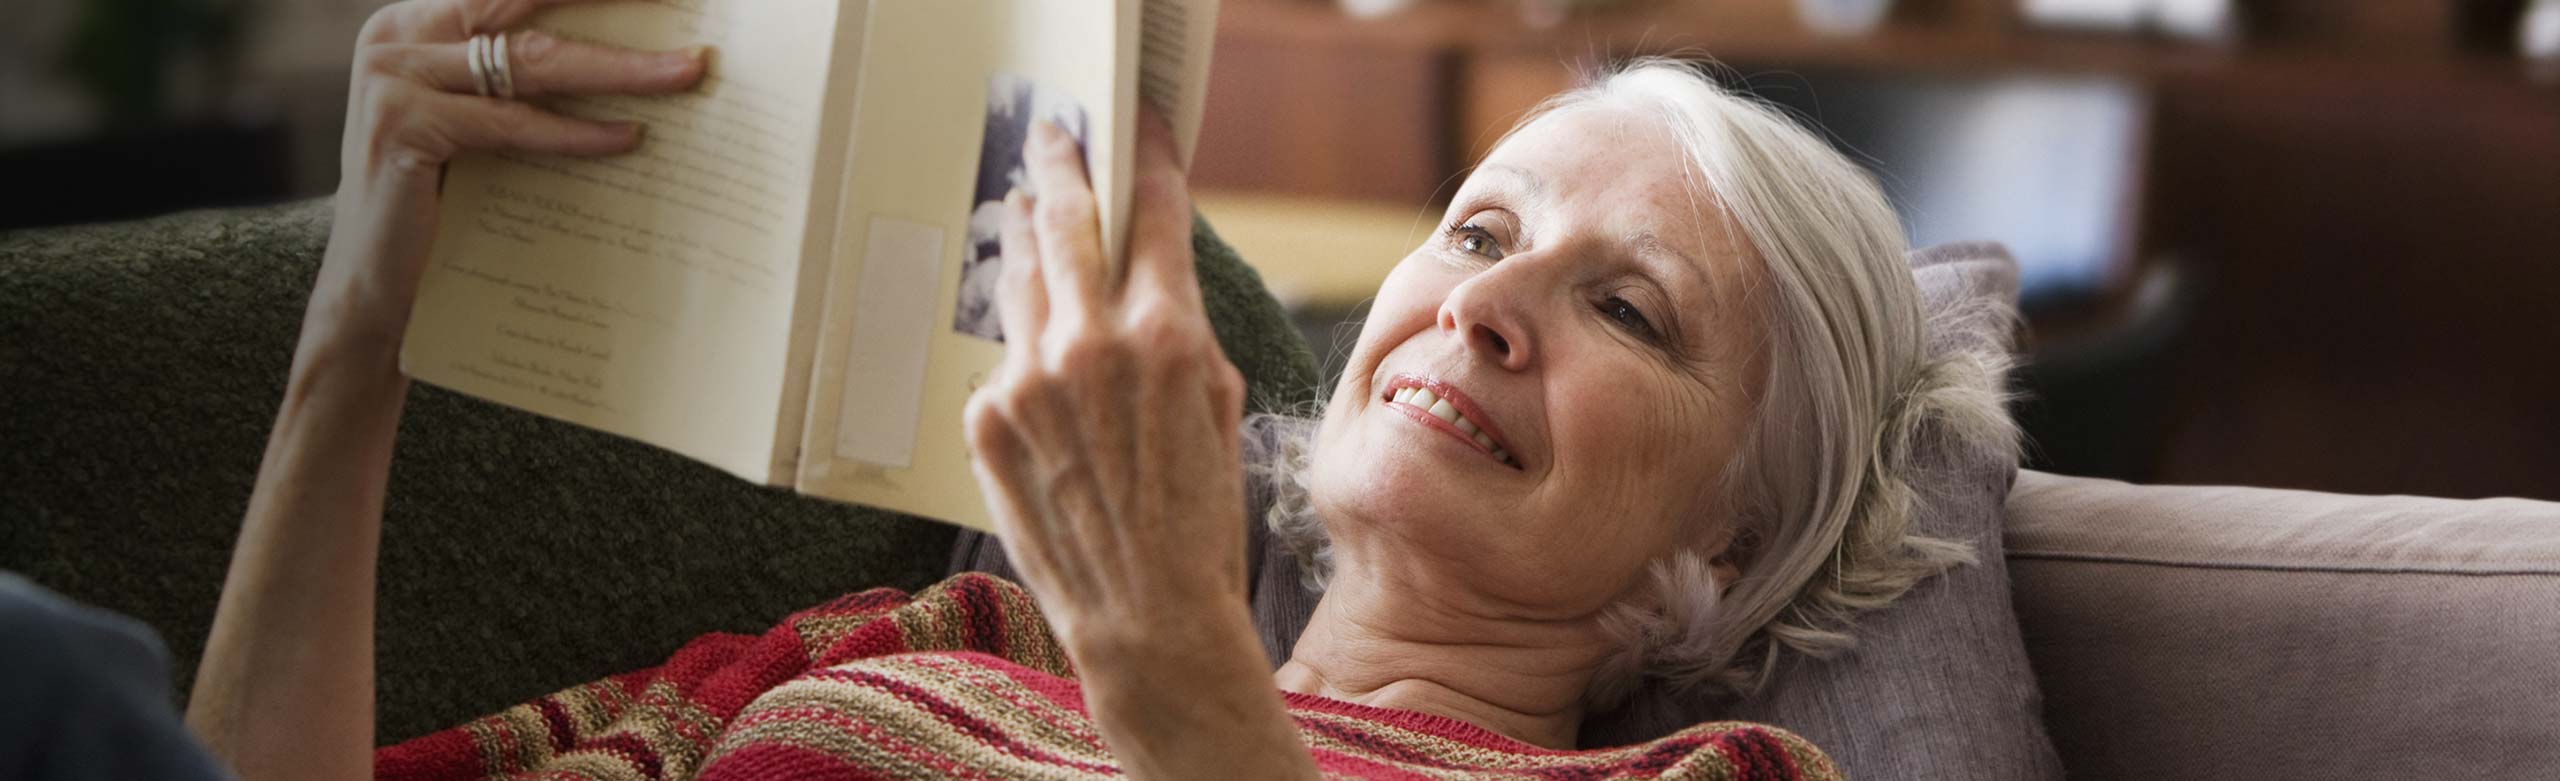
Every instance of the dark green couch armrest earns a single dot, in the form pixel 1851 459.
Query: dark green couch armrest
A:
pixel 144 362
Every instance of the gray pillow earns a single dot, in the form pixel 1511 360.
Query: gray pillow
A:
pixel 1938 686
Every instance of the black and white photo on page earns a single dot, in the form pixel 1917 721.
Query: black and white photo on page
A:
pixel 1013 103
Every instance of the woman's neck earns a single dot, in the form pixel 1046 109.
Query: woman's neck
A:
pixel 1411 647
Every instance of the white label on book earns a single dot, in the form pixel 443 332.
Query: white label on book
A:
pixel 892 335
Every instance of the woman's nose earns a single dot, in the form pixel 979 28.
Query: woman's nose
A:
pixel 1489 316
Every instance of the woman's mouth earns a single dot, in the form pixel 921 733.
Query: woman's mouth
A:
pixel 1442 407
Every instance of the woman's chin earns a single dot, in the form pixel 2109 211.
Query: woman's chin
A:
pixel 1413 475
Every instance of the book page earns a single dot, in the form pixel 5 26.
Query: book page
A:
pixel 817 246
pixel 949 91
pixel 649 295
pixel 1174 39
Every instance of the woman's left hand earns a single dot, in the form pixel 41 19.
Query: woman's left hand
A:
pixel 1106 444
pixel 1107 447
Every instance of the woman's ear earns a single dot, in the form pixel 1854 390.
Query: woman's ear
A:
pixel 1725 557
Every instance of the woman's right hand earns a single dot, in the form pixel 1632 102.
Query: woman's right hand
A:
pixel 414 104
pixel 285 686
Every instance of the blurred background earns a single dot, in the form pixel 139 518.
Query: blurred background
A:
pixel 2293 243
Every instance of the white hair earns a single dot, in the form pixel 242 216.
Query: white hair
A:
pixel 1820 495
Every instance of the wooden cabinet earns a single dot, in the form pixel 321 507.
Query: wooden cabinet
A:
pixel 1308 101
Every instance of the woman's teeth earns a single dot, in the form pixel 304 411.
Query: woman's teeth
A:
pixel 1439 407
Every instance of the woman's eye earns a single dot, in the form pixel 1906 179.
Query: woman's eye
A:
pixel 1479 242
pixel 1626 314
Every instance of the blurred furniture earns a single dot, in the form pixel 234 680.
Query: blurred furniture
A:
pixel 118 109
pixel 2221 632
pixel 143 172
pixel 2176 632
pixel 1322 258
pixel 2049 165
pixel 2053 167
pixel 1421 93
pixel 1314 252
pixel 2356 192
pixel 2096 386
pixel 122 109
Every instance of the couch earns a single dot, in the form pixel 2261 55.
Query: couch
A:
pixel 2174 631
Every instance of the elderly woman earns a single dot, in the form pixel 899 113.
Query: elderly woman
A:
pixel 1637 414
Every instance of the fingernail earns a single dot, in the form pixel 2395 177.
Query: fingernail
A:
pixel 690 58
pixel 1058 135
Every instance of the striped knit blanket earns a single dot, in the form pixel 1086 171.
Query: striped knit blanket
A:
pixel 964 680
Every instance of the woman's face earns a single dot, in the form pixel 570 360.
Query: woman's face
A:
pixel 1583 325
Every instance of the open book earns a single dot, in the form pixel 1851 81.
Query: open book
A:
pixel 793 279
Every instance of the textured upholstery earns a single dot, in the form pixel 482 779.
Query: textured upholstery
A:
pixel 144 363
pixel 1938 686
pixel 2214 632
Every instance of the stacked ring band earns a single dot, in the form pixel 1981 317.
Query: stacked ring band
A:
pixel 501 69
pixel 492 73
pixel 477 52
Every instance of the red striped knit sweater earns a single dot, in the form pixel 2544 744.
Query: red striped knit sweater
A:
pixel 964 681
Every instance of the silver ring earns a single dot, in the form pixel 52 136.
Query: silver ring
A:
pixel 477 52
pixel 502 69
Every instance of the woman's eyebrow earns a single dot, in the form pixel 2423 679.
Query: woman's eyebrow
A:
pixel 1648 245
pixel 1529 182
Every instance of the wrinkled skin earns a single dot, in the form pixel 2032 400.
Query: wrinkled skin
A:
pixel 1599 314
pixel 1107 447
pixel 285 688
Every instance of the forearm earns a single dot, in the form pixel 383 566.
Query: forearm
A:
pixel 285 689
pixel 1203 707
